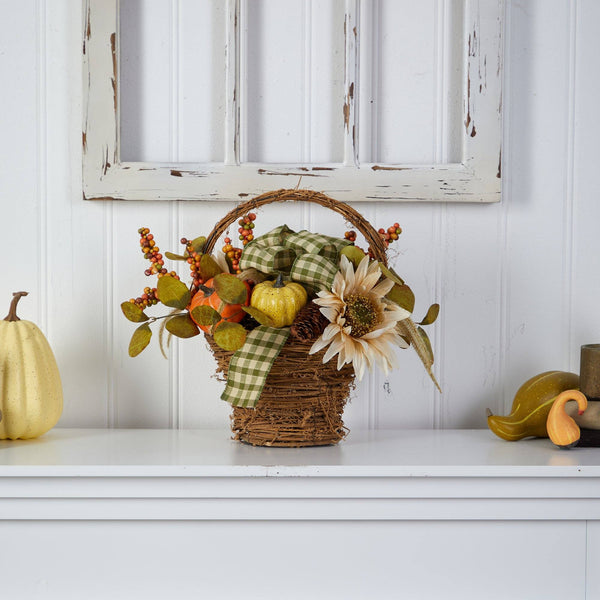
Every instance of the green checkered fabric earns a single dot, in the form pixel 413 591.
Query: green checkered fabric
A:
pixel 315 271
pixel 250 365
pixel 277 250
pixel 305 242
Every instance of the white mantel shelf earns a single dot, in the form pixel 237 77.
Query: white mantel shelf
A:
pixel 387 514
pixel 382 475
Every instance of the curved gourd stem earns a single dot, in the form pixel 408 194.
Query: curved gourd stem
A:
pixel 12 313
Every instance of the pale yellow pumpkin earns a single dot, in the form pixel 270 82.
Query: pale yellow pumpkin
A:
pixel 278 300
pixel 31 398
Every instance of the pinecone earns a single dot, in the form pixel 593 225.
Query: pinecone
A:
pixel 309 323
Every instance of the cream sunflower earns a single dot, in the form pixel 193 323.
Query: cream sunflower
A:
pixel 362 323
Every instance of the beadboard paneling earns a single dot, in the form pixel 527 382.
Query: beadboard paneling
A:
pixel 516 280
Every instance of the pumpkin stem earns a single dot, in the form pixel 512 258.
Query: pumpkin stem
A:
pixel 208 291
pixel 12 313
pixel 279 281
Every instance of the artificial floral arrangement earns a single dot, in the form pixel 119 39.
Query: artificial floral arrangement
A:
pixel 291 317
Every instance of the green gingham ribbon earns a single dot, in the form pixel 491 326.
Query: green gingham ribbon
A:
pixel 250 365
pixel 306 257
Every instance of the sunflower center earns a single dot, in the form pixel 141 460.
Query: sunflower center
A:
pixel 362 314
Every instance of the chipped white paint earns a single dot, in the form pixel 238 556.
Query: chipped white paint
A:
pixel 476 178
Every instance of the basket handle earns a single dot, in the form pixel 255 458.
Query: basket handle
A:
pixel 351 215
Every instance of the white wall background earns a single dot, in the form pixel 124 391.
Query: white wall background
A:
pixel 518 281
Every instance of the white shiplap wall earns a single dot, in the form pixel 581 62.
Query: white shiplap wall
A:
pixel 517 281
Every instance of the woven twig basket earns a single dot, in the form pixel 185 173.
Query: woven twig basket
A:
pixel 303 400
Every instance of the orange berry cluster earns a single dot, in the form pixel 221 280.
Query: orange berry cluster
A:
pixel 246 224
pixel 233 255
pixel 148 298
pixel 350 235
pixel 391 235
pixel 152 252
pixel 193 260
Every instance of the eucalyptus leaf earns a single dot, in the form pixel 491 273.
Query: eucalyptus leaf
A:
pixel 182 326
pixel 140 339
pixel 172 256
pixel 432 315
pixel 208 267
pixel 133 312
pixel 353 254
pixel 403 296
pixel 230 289
pixel 172 292
pixel 391 274
pixel 205 315
pixel 230 336
pixel 198 243
pixel 259 315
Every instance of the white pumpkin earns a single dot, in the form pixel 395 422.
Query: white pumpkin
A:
pixel 31 398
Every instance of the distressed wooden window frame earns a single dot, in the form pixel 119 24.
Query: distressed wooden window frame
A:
pixel 477 178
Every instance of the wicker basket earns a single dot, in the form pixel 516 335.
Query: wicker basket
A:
pixel 303 400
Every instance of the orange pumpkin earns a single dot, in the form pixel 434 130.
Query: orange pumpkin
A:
pixel 207 296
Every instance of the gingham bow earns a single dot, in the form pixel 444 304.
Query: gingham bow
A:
pixel 308 258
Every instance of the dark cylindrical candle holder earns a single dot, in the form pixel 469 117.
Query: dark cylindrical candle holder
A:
pixel 589 372
pixel 589 384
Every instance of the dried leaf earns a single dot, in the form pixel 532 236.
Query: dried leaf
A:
pixel 403 296
pixel 353 254
pixel 208 267
pixel 182 326
pixel 230 289
pixel 427 344
pixel 230 336
pixel 205 315
pixel 133 312
pixel 172 292
pixel 259 315
pixel 432 315
pixel 140 339
pixel 420 342
pixel 252 274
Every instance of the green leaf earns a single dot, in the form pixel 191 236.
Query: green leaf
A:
pixel 205 315
pixel 391 274
pixel 182 326
pixel 353 254
pixel 208 267
pixel 133 312
pixel 173 292
pixel 230 336
pixel 198 244
pixel 172 256
pixel 140 339
pixel 403 296
pixel 259 315
pixel 230 289
pixel 432 315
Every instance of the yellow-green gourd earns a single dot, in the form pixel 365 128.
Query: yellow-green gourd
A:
pixel 531 406
pixel 280 301
pixel 31 399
